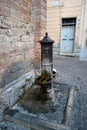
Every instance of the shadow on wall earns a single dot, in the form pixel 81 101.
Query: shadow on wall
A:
pixel 15 71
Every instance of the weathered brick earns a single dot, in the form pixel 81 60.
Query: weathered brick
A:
pixel 4 10
pixel 3 55
pixel 22 25
pixel 0 23
pixel 25 38
pixel 40 24
pixel 14 39
pixel 4 38
pixel 5 47
pixel 3 31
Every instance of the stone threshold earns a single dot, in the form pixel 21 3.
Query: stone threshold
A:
pixel 36 123
pixel 67 54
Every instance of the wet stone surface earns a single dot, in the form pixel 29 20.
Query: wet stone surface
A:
pixel 11 126
pixel 51 110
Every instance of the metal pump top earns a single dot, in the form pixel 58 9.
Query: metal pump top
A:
pixel 46 39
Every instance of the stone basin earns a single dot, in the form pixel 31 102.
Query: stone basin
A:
pixel 37 114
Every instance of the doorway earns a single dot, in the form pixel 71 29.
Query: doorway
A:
pixel 67 35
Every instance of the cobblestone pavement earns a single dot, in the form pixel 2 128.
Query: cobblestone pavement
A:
pixel 74 72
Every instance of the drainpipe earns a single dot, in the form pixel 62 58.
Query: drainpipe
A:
pixel 83 52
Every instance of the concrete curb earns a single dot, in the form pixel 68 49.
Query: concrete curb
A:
pixel 68 111
pixel 33 122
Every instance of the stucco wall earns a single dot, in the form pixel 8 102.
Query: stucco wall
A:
pixel 66 9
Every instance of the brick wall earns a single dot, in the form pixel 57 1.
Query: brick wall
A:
pixel 39 22
pixel 22 25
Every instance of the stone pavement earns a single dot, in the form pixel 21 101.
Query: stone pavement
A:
pixel 71 71
pixel 74 72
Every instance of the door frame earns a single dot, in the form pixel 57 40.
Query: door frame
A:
pixel 68 24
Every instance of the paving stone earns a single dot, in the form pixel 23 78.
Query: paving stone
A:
pixel 73 71
pixel 68 75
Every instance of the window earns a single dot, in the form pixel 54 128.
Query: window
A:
pixel 55 2
pixel 67 21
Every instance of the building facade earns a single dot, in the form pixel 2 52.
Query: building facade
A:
pixel 83 52
pixel 65 19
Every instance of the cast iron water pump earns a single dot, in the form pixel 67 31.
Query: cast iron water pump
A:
pixel 46 78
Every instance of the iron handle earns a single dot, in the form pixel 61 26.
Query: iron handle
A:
pixel 64 39
pixel 70 39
